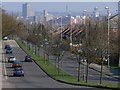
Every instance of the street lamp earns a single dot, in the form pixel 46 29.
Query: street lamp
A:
pixel 71 41
pixel 71 29
pixel 84 22
pixel 108 42
pixel 45 44
pixel 61 28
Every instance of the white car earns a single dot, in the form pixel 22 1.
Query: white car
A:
pixel 11 59
pixel 6 38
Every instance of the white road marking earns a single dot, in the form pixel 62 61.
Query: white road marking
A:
pixel 5 72
pixel 4 60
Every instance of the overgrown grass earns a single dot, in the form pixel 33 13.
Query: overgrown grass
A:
pixel 52 70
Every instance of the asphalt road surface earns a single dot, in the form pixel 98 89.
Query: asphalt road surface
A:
pixel 34 76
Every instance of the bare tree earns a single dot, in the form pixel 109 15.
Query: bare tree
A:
pixel 58 51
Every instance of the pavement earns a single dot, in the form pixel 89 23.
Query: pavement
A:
pixel 0 65
pixel 113 72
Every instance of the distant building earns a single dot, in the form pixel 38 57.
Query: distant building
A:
pixel 72 20
pixel 27 11
pixel 78 19
pixel 33 19
pixel 46 16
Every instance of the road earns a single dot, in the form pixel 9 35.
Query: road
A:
pixel 34 76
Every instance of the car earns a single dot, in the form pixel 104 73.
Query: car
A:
pixel 11 59
pixel 7 46
pixel 16 64
pixel 18 71
pixel 28 58
pixel 9 50
pixel 6 38
pixel 18 68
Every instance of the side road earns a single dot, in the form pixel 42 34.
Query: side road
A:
pixel 113 72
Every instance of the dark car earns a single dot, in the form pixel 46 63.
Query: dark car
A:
pixel 18 71
pixel 7 46
pixel 9 50
pixel 16 64
pixel 28 58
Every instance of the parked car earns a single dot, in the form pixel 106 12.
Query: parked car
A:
pixel 7 46
pixel 9 50
pixel 28 58
pixel 18 71
pixel 11 59
pixel 16 64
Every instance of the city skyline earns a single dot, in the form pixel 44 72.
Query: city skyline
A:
pixel 61 6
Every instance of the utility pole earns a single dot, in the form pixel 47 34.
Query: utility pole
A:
pixel 71 42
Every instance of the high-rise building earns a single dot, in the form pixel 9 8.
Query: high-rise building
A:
pixel 27 11
pixel 47 16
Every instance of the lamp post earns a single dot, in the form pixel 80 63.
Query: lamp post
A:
pixel 71 41
pixel 61 28
pixel 86 26
pixel 108 39
pixel 45 44
pixel 84 16
pixel 71 30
